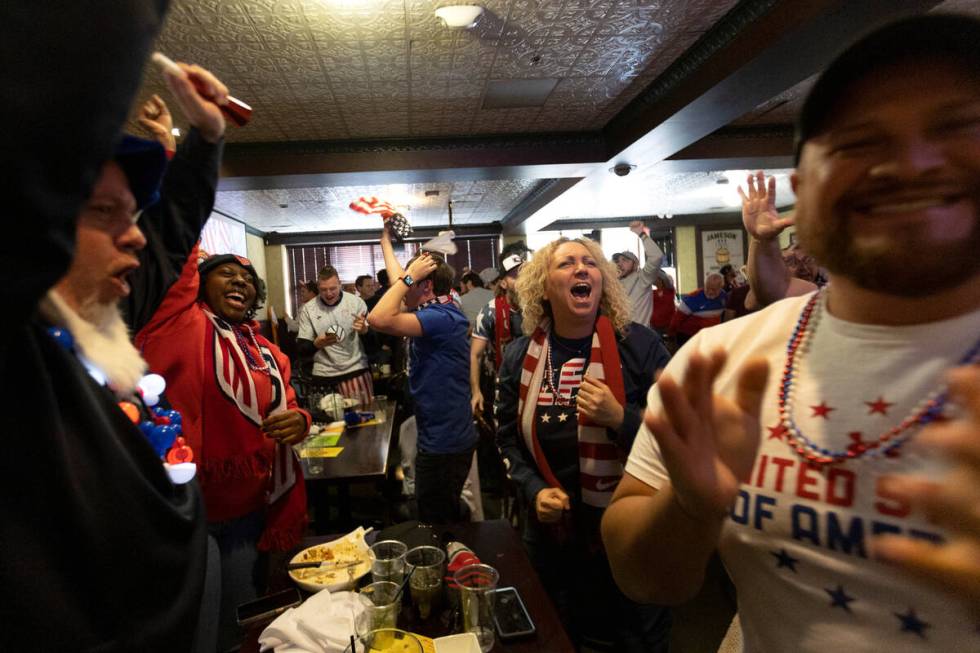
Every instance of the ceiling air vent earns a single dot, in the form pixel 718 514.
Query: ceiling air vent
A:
pixel 432 193
pixel 516 93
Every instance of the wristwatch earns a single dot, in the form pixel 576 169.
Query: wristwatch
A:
pixel 408 280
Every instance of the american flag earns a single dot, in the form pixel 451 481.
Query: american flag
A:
pixel 569 379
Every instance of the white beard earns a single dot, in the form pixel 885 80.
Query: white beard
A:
pixel 102 340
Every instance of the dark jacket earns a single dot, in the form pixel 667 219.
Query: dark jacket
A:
pixel 100 550
pixel 641 353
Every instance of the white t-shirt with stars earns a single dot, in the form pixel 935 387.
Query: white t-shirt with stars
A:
pixel 796 542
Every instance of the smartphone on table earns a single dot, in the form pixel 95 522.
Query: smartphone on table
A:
pixel 510 617
pixel 267 608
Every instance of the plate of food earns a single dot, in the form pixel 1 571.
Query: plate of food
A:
pixel 334 566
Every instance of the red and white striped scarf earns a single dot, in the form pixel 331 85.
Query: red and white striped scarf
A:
pixel 234 380
pixel 600 463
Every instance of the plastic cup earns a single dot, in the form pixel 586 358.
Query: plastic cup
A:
pixel 388 561
pixel 380 608
pixel 476 585
pixel 387 640
pixel 426 581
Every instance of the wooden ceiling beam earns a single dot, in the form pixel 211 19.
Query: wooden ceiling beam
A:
pixel 254 166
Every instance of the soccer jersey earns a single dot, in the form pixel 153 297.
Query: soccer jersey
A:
pixel 439 363
pixel 345 356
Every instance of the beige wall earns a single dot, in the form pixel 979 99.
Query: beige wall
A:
pixel 275 280
pixel 686 248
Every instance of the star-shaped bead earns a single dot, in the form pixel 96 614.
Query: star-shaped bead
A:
pixel 545 418
pixel 784 559
pixel 912 624
pixel 879 405
pixel 839 598
pixel 777 432
pixel 821 410
pixel 563 417
pixel 857 445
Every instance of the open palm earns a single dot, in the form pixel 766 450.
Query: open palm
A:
pixel 709 442
pixel 759 214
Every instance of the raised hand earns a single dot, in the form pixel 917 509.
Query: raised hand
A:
pixel 759 214
pixel 953 503
pixel 199 94
pixel 708 442
pixel 154 117
pixel 637 227
pixel 422 267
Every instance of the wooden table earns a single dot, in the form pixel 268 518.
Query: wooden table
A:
pixel 364 458
pixel 497 544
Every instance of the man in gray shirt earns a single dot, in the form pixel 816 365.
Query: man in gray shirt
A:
pixel 330 330
pixel 474 298
pixel 637 280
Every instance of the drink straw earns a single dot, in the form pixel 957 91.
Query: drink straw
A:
pixel 404 583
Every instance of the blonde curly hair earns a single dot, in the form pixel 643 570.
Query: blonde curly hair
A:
pixel 532 280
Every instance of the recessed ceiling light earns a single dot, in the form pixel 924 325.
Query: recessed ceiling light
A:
pixel 459 16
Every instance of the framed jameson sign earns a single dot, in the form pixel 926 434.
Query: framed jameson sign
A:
pixel 720 247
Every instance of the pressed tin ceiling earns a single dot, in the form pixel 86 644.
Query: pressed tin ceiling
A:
pixel 360 83
pixel 297 210
pixel 366 69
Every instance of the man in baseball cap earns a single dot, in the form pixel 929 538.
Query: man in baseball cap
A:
pixel 793 441
pixel 637 280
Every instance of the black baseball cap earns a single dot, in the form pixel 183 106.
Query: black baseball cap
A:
pixel 215 260
pixel 951 37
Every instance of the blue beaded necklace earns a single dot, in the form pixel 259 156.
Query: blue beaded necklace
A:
pixel 928 410
pixel 163 431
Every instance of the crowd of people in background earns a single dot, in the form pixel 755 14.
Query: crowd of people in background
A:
pixel 774 415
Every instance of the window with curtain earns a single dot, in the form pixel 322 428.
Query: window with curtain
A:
pixel 352 261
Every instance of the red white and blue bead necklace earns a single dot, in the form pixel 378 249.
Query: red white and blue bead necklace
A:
pixel 243 343
pixel 163 429
pixel 926 411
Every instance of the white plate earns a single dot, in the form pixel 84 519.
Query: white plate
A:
pixel 462 643
pixel 314 580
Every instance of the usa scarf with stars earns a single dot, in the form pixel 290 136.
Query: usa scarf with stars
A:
pixel 600 463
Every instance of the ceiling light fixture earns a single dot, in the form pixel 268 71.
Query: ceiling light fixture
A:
pixel 459 16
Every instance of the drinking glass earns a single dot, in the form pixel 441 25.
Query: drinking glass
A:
pixel 388 561
pixel 426 581
pixel 476 586
pixel 387 640
pixel 380 607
